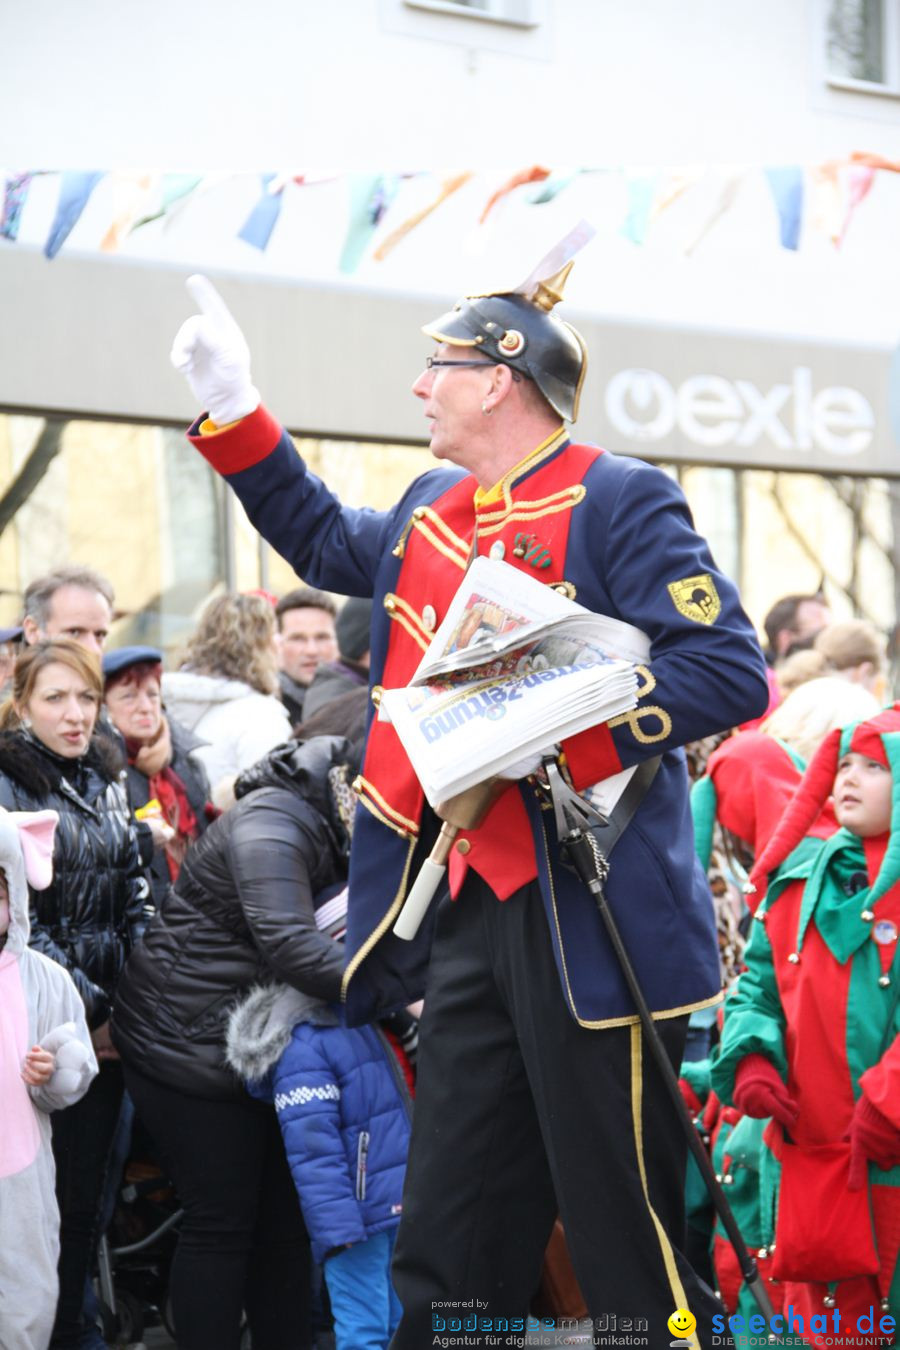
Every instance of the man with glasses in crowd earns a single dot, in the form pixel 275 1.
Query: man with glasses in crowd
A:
pixel 534 1093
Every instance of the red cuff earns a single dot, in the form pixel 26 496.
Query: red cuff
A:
pixel 240 446
pixel 591 756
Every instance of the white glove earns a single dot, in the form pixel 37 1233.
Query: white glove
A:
pixel 523 767
pixel 212 352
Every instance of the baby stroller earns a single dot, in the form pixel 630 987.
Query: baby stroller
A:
pixel 136 1251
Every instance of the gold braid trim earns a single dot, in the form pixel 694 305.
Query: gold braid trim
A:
pixel 373 801
pixel 492 522
pixel 632 719
pixel 679 1298
pixel 394 909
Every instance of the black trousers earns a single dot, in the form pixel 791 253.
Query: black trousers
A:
pixel 242 1244
pixel 83 1137
pixel 520 1113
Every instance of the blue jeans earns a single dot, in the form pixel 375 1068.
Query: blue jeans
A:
pixel 363 1303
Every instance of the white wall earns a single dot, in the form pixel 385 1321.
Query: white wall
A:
pixel 343 83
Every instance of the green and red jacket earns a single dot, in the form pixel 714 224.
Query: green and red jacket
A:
pixel 813 1000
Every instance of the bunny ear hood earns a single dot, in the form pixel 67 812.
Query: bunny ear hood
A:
pixel 26 855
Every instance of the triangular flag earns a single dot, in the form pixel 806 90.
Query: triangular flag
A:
pixel 860 178
pixel 551 187
pixel 875 161
pixel 725 200
pixel 447 188
pixel 370 197
pixel 675 183
pixel 14 197
pixel 174 187
pixel 257 228
pixel 641 191
pixel 828 207
pixel 74 192
pixel 132 193
pixel 787 189
pixel 536 174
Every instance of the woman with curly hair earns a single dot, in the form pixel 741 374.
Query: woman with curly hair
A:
pixel 226 689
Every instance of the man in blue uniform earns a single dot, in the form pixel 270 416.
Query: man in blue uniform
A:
pixel 534 1093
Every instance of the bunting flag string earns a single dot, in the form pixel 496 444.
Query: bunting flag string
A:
pixel 809 200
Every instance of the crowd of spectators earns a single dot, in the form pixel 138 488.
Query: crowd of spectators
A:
pixel 203 816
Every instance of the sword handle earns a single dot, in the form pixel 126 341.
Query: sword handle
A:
pixel 426 883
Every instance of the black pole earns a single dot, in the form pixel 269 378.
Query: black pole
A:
pixel 592 868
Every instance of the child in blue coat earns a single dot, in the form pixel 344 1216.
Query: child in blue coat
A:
pixel 344 1110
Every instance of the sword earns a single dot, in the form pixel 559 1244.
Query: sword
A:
pixel 465 811
pixel 587 839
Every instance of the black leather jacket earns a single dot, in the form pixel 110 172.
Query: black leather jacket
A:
pixel 93 911
pixel 241 913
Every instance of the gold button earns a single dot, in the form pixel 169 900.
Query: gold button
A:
pixel 357 784
pixel 377 691
pixel 418 513
pixel 794 959
pixel 463 846
pixel 390 603
pixel 867 916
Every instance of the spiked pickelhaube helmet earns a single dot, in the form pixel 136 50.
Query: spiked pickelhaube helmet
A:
pixel 522 332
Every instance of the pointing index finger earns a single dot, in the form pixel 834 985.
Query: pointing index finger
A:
pixel 207 298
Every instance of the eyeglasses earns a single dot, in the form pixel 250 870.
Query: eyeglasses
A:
pixel 435 362
pixel 432 363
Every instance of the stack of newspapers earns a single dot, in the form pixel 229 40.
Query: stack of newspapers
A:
pixel 514 668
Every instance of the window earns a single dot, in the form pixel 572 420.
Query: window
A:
pixel 519 13
pixel 862 45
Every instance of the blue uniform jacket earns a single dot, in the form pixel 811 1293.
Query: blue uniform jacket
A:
pixel 620 533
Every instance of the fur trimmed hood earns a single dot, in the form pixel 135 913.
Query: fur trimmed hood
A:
pixel 39 771
pixel 260 1026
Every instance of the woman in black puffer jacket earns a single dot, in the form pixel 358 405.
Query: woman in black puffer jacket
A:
pixel 88 919
pixel 240 914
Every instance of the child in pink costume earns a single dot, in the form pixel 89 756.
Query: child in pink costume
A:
pixel 46 1063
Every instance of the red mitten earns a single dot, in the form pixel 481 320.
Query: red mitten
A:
pixel 691 1100
pixel 760 1092
pixel 873 1138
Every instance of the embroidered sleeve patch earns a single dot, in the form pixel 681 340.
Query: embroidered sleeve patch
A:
pixel 696 598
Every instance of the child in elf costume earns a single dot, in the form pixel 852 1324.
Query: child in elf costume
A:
pixel 810 1037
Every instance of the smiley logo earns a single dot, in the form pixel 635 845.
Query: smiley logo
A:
pixel 682 1323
